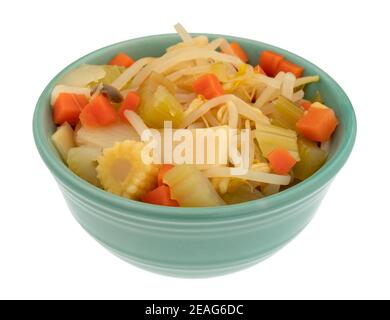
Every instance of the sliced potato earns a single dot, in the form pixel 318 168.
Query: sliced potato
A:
pixel 63 139
pixel 83 75
pixel 105 137
pixel 83 162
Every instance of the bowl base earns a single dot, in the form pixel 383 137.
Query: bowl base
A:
pixel 201 272
pixel 186 271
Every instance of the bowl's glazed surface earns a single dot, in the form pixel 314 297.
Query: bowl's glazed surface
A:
pixel 196 242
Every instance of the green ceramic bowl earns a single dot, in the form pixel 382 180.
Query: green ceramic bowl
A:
pixel 195 242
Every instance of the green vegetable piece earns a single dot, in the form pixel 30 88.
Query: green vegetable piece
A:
pixel 312 158
pixel 158 103
pixel 191 188
pixel 285 113
pixel 270 137
pixel 112 72
pixel 318 97
pixel 241 194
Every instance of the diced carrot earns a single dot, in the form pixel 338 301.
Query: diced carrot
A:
pixel 160 196
pixel 67 108
pixel 272 63
pixel 269 61
pixel 281 161
pixel 99 112
pixel 208 85
pixel 288 66
pixel 258 69
pixel 239 52
pixel 305 104
pixel 163 170
pixel 131 102
pixel 82 100
pixel 122 60
pixel 318 124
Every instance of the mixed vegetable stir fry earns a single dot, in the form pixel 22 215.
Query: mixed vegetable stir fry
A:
pixel 102 111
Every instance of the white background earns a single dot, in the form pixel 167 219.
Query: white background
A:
pixel 343 253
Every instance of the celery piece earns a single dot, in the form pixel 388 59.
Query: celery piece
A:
pixel 318 97
pixel 191 188
pixel 285 113
pixel 112 72
pixel 312 158
pixel 158 103
pixel 241 194
pixel 270 137
pixel 162 107
pixel 270 189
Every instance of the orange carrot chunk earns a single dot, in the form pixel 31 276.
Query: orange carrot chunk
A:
pixel 239 52
pixel 288 66
pixel 131 102
pixel 122 60
pixel 160 196
pixel 82 100
pixel 258 69
pixel 208 85
pixel 318 124
pixel 67 108
pixel 305 104
pixel 99 112
pixel 281 161
pixel 269 61
pixel 163 170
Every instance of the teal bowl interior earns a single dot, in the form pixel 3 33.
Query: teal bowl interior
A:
pixel 196 242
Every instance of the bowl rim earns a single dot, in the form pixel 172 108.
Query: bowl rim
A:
pixel 264 206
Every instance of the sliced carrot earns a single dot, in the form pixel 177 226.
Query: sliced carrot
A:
pixel 305 104
pixel 288 66
pixel 99 112
pixel 122 60
pixel 258 69
pixel 67 108
pixel 163 170
pixel 131 102
pixel 239 52
pixel 208 85
pixel 269 61
pixel 160 196
pixel 281 161
pixel 318 124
